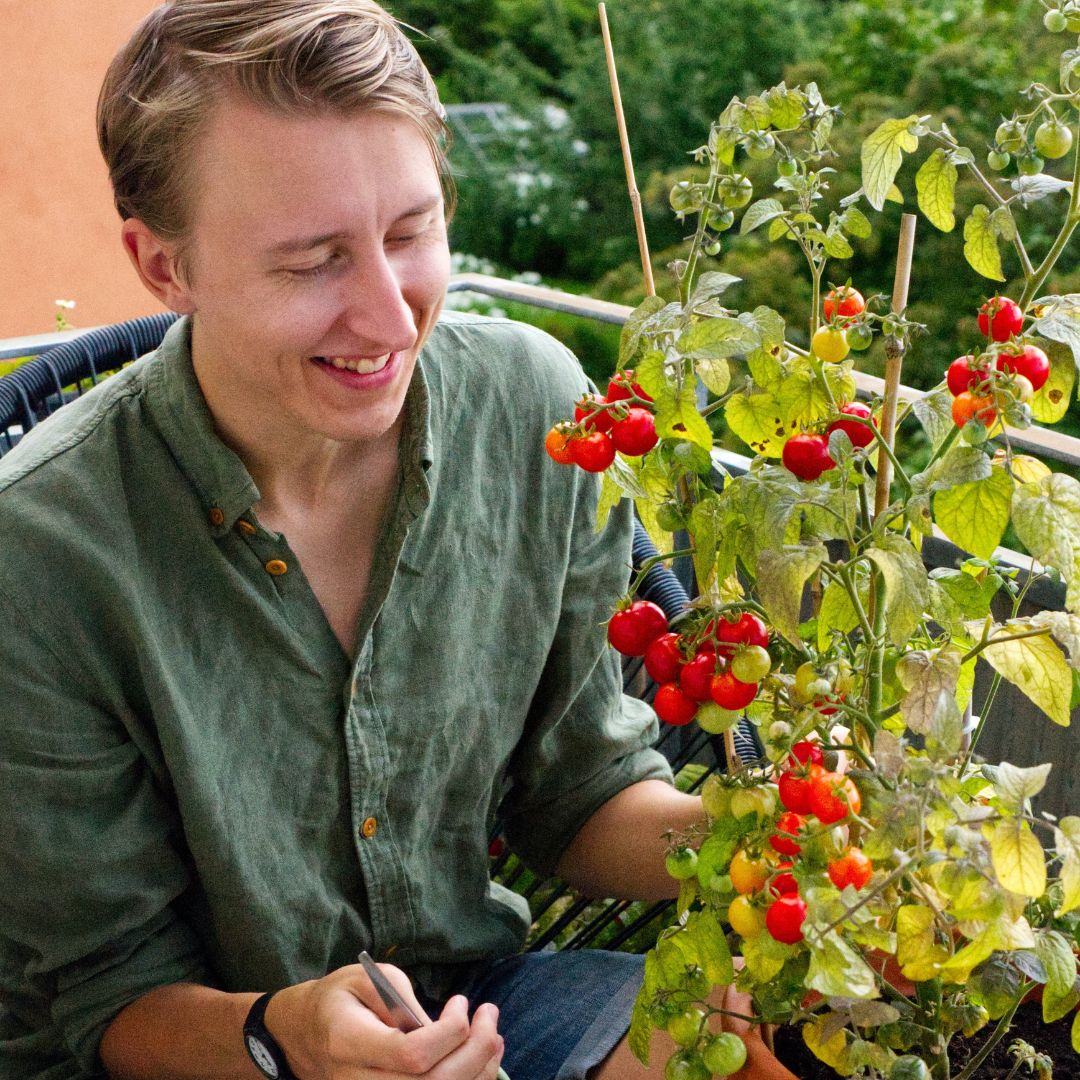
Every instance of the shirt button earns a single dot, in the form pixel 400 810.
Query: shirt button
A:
pixel 367 830
pixel 389 951
pixel 276 567
pixel 217 516
pixel 246 527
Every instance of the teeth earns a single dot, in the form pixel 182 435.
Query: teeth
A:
pixel 363 367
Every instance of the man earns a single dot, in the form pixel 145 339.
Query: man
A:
pixel 290 608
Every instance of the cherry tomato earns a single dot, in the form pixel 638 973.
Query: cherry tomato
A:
pixel 844 301
pixel 685 1065
pixel 794 792
pixel 807 456
pixel 685 1026
pixel 636 435
pixel 968 406
pixel 806 752
pixel 748 629
pixel 716 797
pixel 622 386
pixel 663 659
pixel 783 882
pixel 756 800
pixel 1055 22
pixel 681 863
pixel 558 446
pixel 830 344
pixel 673 706
pixel 788 822
pixel 729 693
pixel 785 917
pixel 596 419
pixel 1022 388
pixel 746 920
pixel 715 720
pixel 1000 318
pixel 859 336
pixel 724 1054
pixel 751 663
pixel 747 875
pixel 735 191
pixel 828 704
pixel 962 375
pixel 1053 139
pixel 632 630
pixel 832 796
pixel 593 452
pixel 859 434
pixel 852 868
pixel 696 677
pixel 1031 362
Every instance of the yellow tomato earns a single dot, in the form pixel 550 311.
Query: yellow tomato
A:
pixel 830 344
pixel 747 875
pixel 746 920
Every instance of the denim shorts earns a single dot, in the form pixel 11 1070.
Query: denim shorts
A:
pixel 560 1013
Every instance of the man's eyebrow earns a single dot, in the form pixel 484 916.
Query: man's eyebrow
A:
pixel 308 243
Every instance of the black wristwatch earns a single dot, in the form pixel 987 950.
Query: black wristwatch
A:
pixel 269 1058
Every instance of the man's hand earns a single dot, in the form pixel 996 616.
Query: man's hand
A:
pixel 337 1027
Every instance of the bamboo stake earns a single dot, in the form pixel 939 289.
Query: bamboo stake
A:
pixel 628 164
pixel 894 360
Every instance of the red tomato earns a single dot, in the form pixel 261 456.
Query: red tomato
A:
pixel 968 406
pixel 595 419
pixel 807 456
pixel 731 694
pixel 852 868
pixel 832 796
pixel 636 435
pixel 1031 362
pixel 962 374
pixel 558 446
pixel 784 882
pixel 593 452
pixel 663 659
pixel 1000 318
pixel 794 792
pixel 788 822
pixel 673 706
pixel 748 629
pixel 845 302
pixel 785 917
pixel 632 630
pixel 696 677
pixel 859 434
pixel 806 752
pixel 622 386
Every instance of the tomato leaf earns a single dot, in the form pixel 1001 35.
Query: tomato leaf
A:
pixel 974 515
pixel 1014 785
pixel 837 613
pixel 715 374
pixel 855 223
pixel 718 338
pixel 981 244
pixel 1051 401
pixel 677 417
pixel 907 590
pixel 1067 848
pixel 765 369
pixel 935 183
pixel 769 324
pixel 929 707
pixel 918 955
pixel 780 229
pixel 710 285
pixel 934 412
pixel 710 947
pixel 610 497
pixel 1058 960
pixel 705 520
pixel 1066 629
pixel 836 247
pixel 882 154
pixel 757 214
pixel 837 970
pixel 1018 858
pixel 781 576
pixel 640 1034
pixel 630 338
pixel 1036 666
pixel 786 107
pixel 755 418
pixel 1046 516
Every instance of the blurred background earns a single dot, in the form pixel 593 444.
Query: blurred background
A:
pixel 536 156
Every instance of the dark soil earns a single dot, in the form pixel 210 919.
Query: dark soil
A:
pixel 1050 1039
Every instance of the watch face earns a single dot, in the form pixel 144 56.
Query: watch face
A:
pixel 263 1058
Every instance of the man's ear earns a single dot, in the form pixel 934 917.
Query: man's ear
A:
pixel 157 265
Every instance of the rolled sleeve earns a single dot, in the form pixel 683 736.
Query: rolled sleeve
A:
pixel 585 740
pixel 87 851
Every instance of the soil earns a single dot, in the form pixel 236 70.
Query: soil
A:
pixel 1050 1039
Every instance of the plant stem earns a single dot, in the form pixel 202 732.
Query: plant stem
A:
pixel 998 1033
pixel 687 283
pixel 652 561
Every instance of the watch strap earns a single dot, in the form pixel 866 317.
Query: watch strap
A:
pixel 262 1047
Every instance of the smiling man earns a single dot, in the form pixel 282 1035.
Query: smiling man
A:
pixel 293 607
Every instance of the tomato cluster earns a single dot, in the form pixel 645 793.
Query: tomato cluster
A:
pixel 807 455
pixel 711 675
pixel 621 421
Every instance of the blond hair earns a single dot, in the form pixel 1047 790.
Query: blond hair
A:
pixel 291 56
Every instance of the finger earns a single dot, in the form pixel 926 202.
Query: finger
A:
pixel 476 1056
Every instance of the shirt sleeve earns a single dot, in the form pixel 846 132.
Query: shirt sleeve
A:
pixel 90 868
pixel 585 741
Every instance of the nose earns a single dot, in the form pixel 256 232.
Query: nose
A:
pixel 377 312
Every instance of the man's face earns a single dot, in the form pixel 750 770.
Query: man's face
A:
pixel 319 266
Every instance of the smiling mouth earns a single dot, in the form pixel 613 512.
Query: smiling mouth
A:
pixel 361 365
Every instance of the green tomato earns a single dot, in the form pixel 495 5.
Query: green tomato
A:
pixel 1055 22
pixel 759 801
pixel 860 336
pixel 715 719
pixel 716 797
pixel 669 517
pixel 685 1026
pixel 997 160
pixel 779 731
pixel 751 663
pixel 1030 165
pixel 909 1067
pixel 724 1054
pixel 1010 137
pixel 721 220
pixel 735 191
pixel 787 167
pixel 1053 139
pixel 712 248
pixel 685 1065
pixel 681 863
pixel 760 145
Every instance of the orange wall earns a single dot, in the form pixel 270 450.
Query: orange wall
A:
pixel 59 233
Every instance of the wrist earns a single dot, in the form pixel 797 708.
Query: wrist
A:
pixel 286 1021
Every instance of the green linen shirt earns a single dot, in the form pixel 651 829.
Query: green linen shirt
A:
pixel 197 783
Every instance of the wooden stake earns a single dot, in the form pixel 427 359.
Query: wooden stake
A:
pixel 894 360
pixel 620 120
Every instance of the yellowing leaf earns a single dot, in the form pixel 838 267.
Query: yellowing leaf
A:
pixel 677 417
pixel 830 1049
pixel 882 154
pixel 974 515
pixel 836 614
pixel 981 244
pixel 1036 666
pixel 837 970
pixel 920 958
pixel 755 418
pixel 959 966
pixel 1051 401
pixel 1046 516
pixel 1067 845
pixel 1018 858
pixel 907 591
pixel 715 374
pixel 1026 469
pixel 781 576
pixel 935 183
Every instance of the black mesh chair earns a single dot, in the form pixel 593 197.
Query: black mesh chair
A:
pixel 42 385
